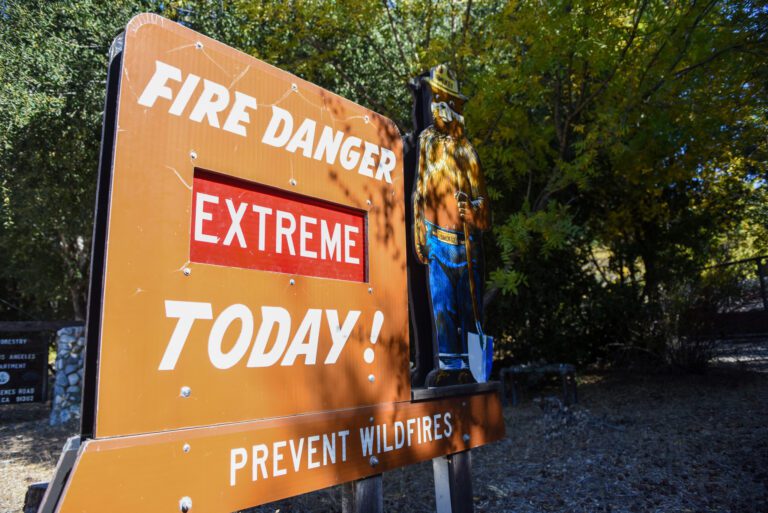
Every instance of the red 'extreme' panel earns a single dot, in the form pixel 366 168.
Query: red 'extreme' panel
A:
pixel 242 224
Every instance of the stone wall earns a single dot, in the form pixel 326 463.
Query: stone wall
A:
pixel 67 386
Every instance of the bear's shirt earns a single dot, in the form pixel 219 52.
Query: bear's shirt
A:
pixel 447 169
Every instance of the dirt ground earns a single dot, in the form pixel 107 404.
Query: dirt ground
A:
pixel 29 449
pixel 660 442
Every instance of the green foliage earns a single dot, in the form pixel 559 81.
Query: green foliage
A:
pixel 52 75
pixel 624 143
pixel 642 126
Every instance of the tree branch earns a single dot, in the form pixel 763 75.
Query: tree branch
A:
pixel 410 40
pixel 633 33
pixel 428 25
pixel 659 50
pixel 686 44
pixel 466 22
pixel 384 60
pixel 492 127
pixel 720 53
pixel 394 32
pixel 597 265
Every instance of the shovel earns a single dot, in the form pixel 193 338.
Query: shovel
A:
pixel 480 346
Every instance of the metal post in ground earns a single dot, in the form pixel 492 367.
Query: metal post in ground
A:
pixel 363 496
pixel 453 483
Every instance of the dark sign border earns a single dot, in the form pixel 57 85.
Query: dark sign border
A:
pixel 99 244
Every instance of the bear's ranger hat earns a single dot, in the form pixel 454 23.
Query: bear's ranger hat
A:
pixel 443 79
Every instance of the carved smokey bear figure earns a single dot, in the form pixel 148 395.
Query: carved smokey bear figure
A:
pixel 450 193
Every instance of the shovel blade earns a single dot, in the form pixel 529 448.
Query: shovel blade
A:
pixel 480 356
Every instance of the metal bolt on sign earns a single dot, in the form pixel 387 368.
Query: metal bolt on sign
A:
pixel 193 154
pixel 292 281
pixel 186 448
pixel 373 461
pixel 199 45
pixel 465 437
pixel 186 392
pixel 185 504
pixel 293 182
pixel 187 271
pixel 371 378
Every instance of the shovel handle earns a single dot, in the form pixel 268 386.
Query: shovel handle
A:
pixel 468 251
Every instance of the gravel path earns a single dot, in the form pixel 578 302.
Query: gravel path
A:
pixel 650 443
pixel 29 450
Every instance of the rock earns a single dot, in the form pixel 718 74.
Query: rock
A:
pixel 69 374
pixel 72 331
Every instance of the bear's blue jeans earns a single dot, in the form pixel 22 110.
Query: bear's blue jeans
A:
pixel 451 298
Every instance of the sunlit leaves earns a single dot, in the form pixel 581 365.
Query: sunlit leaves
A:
pixel 638 128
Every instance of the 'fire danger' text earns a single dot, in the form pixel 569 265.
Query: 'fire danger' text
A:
pixel 213 104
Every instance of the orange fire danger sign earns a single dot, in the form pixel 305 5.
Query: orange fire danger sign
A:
pixel 255 262
pixel 249 338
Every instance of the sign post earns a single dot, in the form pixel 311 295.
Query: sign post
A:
pixel 248 323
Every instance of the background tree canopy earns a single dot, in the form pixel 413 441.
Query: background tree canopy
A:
pixel 624 143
